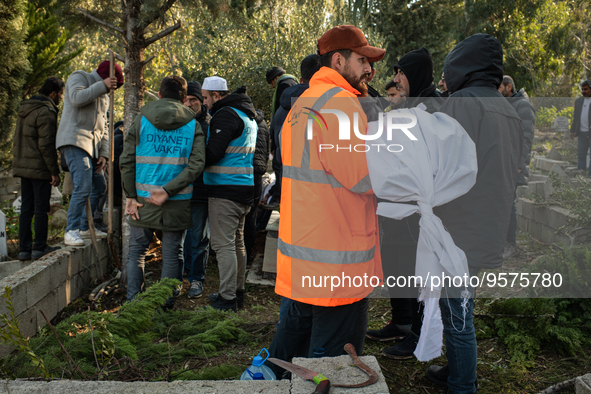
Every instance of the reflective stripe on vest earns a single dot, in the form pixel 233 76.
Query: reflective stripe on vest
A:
pixel 236 167
pixel 305 174
pixel 161 156
pixel 325 256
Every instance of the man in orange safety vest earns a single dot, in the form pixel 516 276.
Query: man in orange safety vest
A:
pixel 328 257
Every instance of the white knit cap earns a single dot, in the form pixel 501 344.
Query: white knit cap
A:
pixel 217 84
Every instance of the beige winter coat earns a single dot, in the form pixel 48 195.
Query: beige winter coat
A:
pixel 84 118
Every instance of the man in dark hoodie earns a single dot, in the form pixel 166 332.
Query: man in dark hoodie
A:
pixel 229 178
pixel 279 81
pixel 35 162
pixel 478 220
pixel 414 78
pixel 308 67
pixel 196 246
pixel 163 153
pixel 520 101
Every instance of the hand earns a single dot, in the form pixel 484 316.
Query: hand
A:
pixel 157 197
pixel 264 200
pixel 100 165
pixel 110 83
pixel 55 180
pixel 131 206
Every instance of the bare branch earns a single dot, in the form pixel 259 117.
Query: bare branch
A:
pixel 148 60
pixel 101 22
pixel 120 58
pixel 152 94
pixel 156 14
pixel 162 34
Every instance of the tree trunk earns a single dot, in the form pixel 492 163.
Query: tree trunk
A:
pixel 134 98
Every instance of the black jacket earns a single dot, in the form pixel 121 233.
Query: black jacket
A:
pixel 225 126
pixel 575 127
pixel 261 153
pixel 199 189
pixel 34 152
pixel 478 221
pixel 520 101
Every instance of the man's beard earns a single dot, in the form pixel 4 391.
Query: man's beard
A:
pixel 356 81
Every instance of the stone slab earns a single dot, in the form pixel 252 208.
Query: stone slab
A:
pixel 18 291
pixel 583 384
pixel 270 259
pixel 254 275
pixel 522 191
pixel 339 370
pixel 537 177
pixel 545 164
pixel 10 267
pixel 548 187
pixel 193 386
pixel 273 224
pixel 557 217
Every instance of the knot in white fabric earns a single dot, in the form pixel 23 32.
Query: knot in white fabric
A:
pixel 425 209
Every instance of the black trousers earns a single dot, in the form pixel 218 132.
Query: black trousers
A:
pixel 35 194
pixel 250 222
pixel 307 327
pixel 398 246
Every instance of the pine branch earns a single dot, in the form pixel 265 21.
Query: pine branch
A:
pixel 162 34
pixel 151 17
pixel 101 22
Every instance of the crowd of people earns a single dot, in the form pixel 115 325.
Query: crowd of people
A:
pixel 192 166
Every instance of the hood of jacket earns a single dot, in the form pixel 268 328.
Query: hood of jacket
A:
pixel 237 99
pixel 418 68
pixel 476 61
pixel 521 93
pixel 292 92
pixel 34 103
pixel 167 114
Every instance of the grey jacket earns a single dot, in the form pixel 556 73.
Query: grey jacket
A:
pixel 84 118
pixel 525 110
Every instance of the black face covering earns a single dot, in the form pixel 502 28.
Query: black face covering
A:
pixel 418 68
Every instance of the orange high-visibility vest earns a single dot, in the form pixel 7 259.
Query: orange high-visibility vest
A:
pixel 328 229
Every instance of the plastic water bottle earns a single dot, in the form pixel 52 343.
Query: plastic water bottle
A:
pixel 258 370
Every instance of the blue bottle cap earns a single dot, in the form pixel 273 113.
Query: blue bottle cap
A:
pixel 258 376
pixel 257 360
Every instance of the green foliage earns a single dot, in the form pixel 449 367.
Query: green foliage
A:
pixel 529 325
pixel 545 116
pixel 46 41
pixel 13 55
pixel 141 332
pixel 10 334
pixel 576 197
pixel 219 372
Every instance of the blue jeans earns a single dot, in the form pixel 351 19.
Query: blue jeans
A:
pixel 87 184
pixel 139 244
pixel 460 342
pixel 582 151
pixel 196 246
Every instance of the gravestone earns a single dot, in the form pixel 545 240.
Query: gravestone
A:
pixel 548 188
pixel 3 248
pixel 554 154
pixel 561 124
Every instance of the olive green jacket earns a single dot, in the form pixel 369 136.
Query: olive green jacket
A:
pixel 35 156
pixel 173 215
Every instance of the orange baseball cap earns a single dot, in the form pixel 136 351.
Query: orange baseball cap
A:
pixel 348 37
